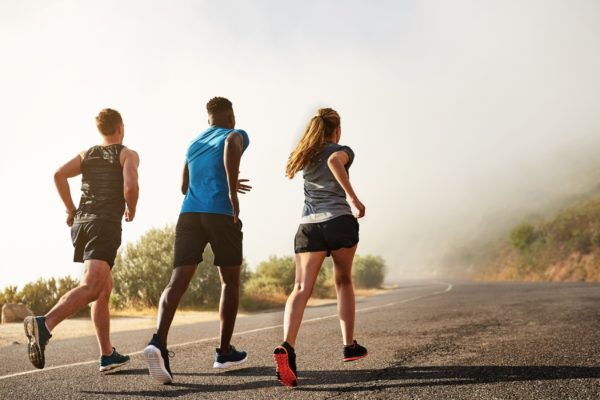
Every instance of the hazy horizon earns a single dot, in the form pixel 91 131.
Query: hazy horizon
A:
pixel 463 115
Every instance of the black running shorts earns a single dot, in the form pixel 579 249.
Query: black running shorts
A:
pixel 195 230
pixel 96 240
pixel 340 232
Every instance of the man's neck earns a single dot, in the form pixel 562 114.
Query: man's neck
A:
pixel 226 125
pixel 221 121
pixel 108 142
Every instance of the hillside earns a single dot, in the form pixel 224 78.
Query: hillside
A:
pixel 563 247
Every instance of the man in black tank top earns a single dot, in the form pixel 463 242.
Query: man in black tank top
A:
pixel 109 187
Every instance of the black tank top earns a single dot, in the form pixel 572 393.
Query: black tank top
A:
pixel 101 185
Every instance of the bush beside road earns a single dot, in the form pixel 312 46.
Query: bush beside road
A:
pixel 143 269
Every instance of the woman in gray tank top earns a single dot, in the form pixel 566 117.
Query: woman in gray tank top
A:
pixel 328 227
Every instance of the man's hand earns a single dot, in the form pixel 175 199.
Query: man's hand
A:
pixel 235 204
pixel 242 187
pixel 70 217
pixel 129 214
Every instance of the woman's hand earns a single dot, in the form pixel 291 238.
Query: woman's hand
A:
pixel 359 206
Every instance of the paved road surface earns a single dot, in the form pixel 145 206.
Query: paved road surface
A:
pixel 427 340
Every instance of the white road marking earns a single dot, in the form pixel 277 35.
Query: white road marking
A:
pixel 266 328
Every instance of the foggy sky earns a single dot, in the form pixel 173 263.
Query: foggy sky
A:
pixel 463 115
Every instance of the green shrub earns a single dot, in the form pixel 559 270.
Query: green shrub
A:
pixel 9 295
pixel 143 269
pixel 368 271
pixel 522 236
pixel 40 296
pixel 277 272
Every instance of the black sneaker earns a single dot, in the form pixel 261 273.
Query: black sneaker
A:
pixel 38 335
pixel 157 358
pixel 354 352
pixel 115 360
pixel 226 360
pixel 285 360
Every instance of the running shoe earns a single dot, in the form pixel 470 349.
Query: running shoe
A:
pixel 38 335
pixel 115 360
pixel 285 360
pixel 354 352
pixel 226 360
pixel 157 358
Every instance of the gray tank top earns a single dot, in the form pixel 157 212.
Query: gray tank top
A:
pixel 324 198
pixel 101 185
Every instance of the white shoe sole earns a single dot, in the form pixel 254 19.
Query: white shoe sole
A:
pixel 113 366
pixel 229 364
pixel 156 365
pixel 34 349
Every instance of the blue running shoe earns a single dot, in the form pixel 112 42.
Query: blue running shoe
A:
pixel 157 358
pixel 226 360
pixel 38 335
pixel 115 360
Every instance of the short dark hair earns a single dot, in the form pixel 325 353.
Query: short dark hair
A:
pixel 217 105
pixel 108 121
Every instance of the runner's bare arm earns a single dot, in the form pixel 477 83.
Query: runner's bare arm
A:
pixel 70 169
pixel 336 163
pixel 131 190
pixel 185 180
pixel 232 156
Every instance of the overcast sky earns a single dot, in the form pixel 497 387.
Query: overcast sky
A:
pixel 457 111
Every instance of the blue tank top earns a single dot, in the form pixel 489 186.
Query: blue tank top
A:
pixel 208 191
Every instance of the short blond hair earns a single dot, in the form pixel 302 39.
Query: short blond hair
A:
pixel 108 121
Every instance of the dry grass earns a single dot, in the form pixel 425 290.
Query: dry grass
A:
pixel 565 248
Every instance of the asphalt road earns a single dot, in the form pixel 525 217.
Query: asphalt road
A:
pixel 427 340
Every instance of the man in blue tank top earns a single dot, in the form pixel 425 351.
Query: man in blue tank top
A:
pixel 209 214
pixel 109 186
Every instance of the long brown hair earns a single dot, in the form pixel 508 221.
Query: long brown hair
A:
pixel 319 131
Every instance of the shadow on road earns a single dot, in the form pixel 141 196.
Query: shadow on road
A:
pixel 398 377
pixel 363 380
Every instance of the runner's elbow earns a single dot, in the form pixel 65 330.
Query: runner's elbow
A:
pixel 59 175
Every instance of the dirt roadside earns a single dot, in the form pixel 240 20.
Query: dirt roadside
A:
pixel 12 333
